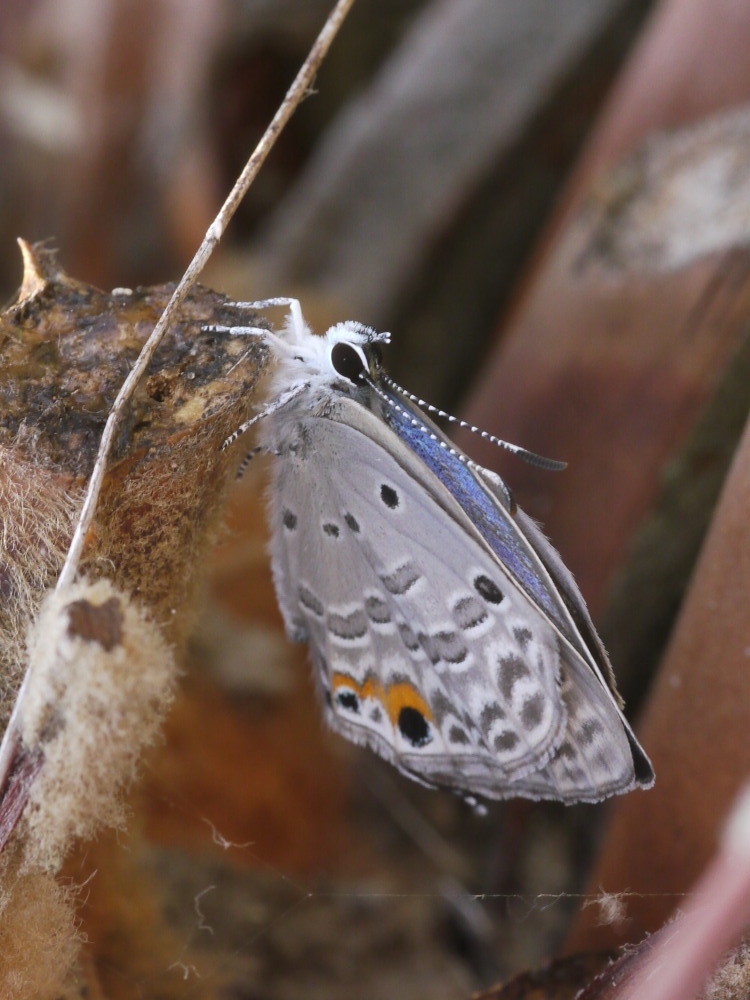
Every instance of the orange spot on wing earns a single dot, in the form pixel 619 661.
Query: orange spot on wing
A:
pixel 403 695
pixel 393 698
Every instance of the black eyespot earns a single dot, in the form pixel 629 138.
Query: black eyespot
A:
pixel 413 726
pixel 347 361
pixel 389 496
pixel 348 700
pixel 487 589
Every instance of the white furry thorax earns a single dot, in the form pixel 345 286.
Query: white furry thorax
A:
pixel 300 357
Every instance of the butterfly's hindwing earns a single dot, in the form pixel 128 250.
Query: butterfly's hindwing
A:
pixel 428 650
pixel 425 644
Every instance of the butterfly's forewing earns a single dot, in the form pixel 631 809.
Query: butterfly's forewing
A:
pixel 429 649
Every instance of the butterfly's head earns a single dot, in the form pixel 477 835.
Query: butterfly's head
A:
pixel 353 351
pixel 348 353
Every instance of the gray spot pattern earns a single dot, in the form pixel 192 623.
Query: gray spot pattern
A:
pixel 490 714
pixel 407 637
pixel 348 627
pixel 426 643
pixel 377 610
pixel 589 730
pixel 441 707
pixel 511 669
pixel 469 612
pixel 298 631
pixel 523 637
pixel 532 711
pixel 308 600
pixel 505 741
pixel 401 579
pixel 444 646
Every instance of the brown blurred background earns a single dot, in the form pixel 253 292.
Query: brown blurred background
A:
pixel 546 204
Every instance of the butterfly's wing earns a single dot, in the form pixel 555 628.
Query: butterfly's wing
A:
pixel 400 634
pixel 426 647
pixel 520 545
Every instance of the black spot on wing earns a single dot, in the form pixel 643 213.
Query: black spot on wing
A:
pixel 488 589
pixel 414 727
pixel 331 529
pixel 348 700
pixel 289 519
pixel 389 496
pixel 352 522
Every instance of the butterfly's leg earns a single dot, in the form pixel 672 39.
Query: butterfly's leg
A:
pixel 239 331
pixel 292 304
pixel 257 450
pixel 241 469
pixel 285 397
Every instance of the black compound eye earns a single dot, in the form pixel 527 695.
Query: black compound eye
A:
pixel 347 361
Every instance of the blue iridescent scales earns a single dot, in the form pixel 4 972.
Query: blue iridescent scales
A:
pixel 489 518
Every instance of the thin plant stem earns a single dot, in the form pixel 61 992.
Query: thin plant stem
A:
pixel 291 101
pixel 215 231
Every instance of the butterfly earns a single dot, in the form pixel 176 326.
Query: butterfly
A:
pixel 446 634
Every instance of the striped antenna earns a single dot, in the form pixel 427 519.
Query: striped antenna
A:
pixel 528 456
